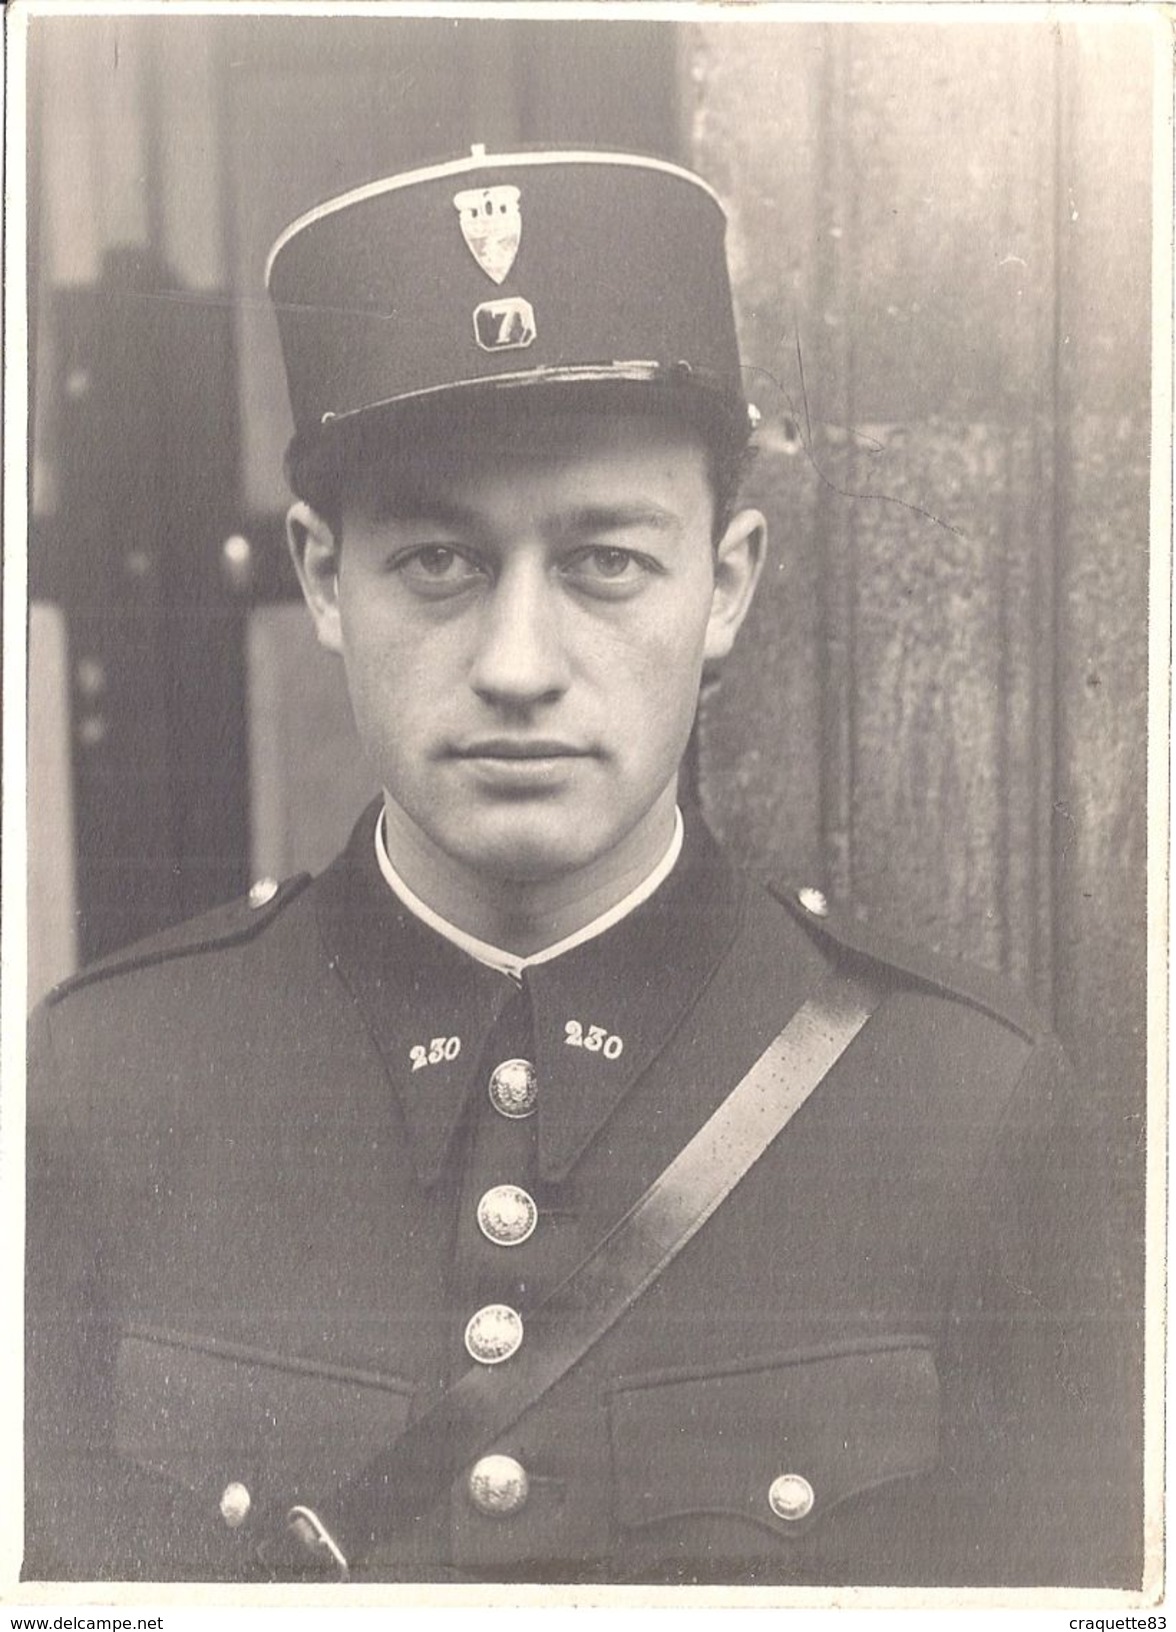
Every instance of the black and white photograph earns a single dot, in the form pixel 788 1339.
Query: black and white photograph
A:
pixel 594 951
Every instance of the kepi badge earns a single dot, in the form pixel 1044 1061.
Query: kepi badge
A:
pixel 491 226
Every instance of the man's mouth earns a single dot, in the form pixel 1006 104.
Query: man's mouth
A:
pixel 519 748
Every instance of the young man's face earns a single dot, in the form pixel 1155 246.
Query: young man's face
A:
pixel 524 614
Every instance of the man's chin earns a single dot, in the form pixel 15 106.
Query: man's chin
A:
pixel 527 844
pixel 528 861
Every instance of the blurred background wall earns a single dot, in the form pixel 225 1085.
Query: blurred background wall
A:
pixel 940 236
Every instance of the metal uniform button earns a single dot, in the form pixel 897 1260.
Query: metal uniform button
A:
pixel 514 1088
pixel 263 892
pixel 494 1334
pixel 498 1485
pixel 235 1503
pixel 814 901
pixel 507 1215
pixel 791 1496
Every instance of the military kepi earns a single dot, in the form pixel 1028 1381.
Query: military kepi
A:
pixel 508 271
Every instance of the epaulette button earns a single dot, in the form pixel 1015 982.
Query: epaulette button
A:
pixel 263 892
pixel 814 901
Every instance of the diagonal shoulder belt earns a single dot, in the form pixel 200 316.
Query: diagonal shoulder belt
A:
pixel 402 1481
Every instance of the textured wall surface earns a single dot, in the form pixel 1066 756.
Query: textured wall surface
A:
pixel 1100 829
pixel 940 241
pixel 942 244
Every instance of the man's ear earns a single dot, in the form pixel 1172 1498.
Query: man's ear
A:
pixel 739 558
pixel 315 553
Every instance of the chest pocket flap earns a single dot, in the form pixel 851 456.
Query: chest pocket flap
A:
pixel 777 1442
pixel 204 1414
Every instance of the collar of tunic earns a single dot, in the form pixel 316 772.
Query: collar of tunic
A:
pixel 636 981
pixel 509 963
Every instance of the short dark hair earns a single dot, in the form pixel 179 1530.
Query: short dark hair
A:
pixel 728 465
pixel 320 470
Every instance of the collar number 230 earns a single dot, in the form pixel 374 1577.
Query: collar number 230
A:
pixel 440 1048
pixel 596 1040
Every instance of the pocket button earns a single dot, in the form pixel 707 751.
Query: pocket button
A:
pixel 498 1485
pixel 235 1503
pixel 791 1496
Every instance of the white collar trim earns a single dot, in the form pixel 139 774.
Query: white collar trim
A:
pixel 506 962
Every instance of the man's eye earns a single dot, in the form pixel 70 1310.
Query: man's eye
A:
pixel 611 563
pixel 437 566
pixel 600 566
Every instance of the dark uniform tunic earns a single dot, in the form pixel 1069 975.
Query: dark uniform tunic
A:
pixel 275 1173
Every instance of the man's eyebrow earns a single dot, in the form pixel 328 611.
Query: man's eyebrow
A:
pixel 403 504
pixel 616 518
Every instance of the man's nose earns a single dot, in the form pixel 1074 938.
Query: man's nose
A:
pixel 520 656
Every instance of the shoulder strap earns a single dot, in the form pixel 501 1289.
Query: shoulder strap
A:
pixel 230 924
pixel 840 931
pixel 403 1480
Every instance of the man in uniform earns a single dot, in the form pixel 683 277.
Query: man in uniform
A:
pixel 532 1196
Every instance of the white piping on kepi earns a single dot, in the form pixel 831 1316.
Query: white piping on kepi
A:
pixel 477 160
pixel 572 374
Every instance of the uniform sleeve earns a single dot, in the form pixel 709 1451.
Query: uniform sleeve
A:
pixel 96 1510
pixel 68 1369
pixel 1042 1443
